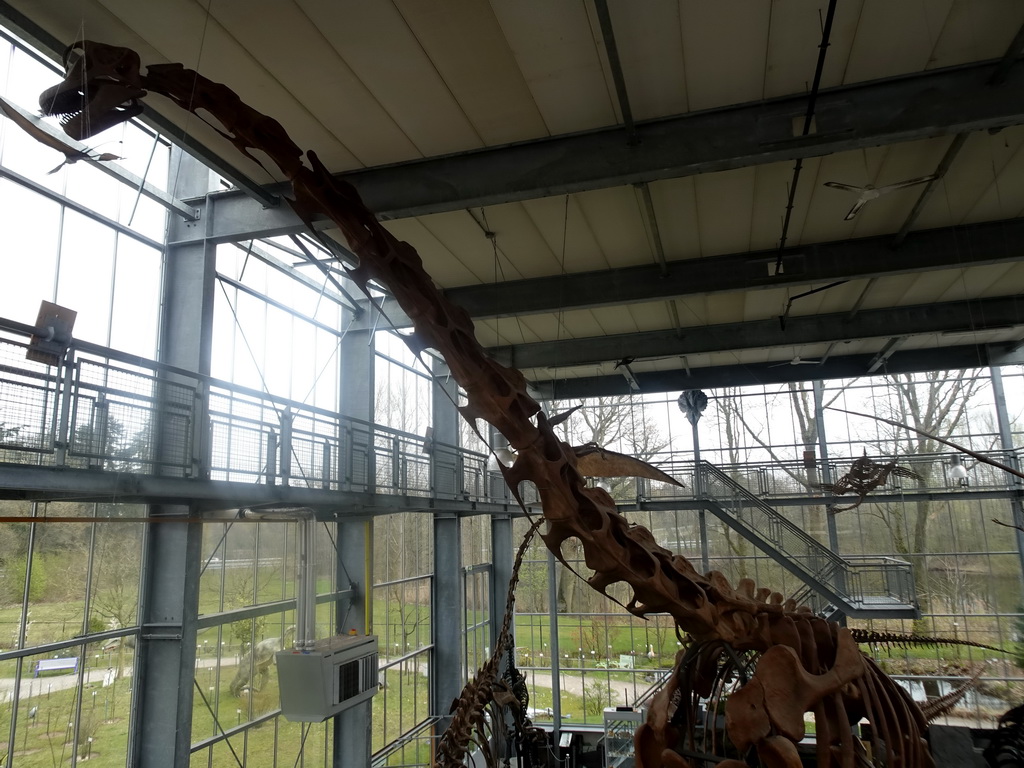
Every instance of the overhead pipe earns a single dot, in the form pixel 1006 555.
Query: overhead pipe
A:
pixel 826 34
pixel 305 567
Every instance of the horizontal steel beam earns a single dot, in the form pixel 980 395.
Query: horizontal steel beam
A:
pixel 939 103
pixel 966 316
pixel 32 483
pixel 931 249
pixel 836 367
pixel 849 117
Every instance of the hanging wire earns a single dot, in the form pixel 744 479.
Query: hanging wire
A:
pixel 302 744
pixel 216 723
pixel 199 59
pixel 560 315
pixel 245 340
pixel 227 528
pixel 499 270
pixel 142 182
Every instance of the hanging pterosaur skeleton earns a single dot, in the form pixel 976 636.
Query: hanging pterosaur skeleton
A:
pixel 778 660
pixel 864 477
pixel 41 133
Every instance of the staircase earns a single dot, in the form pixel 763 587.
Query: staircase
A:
pixel 858 587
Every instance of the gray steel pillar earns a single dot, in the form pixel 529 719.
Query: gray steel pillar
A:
pixel 1006 440
pixel 502 556
pixel 357 372
pixel 447 479
pixel 169 604
pixel 826 473
pixel 839 582
pixel 352 734
pixel 699 492
pixel 447 615
pixel 556 659
pixel 352 728
pixel 357 462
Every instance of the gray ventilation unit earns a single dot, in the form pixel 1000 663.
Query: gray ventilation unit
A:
pixel 335 674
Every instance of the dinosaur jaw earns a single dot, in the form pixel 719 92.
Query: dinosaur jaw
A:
pixel 100 90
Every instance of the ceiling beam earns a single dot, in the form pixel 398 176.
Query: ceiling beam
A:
pixel 836 367
pixel 944 102
pixel 932 249
pixel 850 117
pixel 955 316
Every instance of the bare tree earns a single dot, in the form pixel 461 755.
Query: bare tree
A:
pixel 935 403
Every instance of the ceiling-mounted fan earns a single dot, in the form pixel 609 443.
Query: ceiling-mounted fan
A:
pixel 797 360
pixel 870 192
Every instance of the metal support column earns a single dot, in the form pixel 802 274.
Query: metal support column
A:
pixel 556 660
pixel 1006 440
pixel 446 673
pixel 357 363
pixel 502 546
pixel 826 474
pixel 826 477
pixel 352 727
pixel 169 606
pixel 446 476
pixel 698 491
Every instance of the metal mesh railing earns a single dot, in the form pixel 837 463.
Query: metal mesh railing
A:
pixel 791 479
pixel 102 409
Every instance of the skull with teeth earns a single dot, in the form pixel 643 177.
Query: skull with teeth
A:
pixel 100 90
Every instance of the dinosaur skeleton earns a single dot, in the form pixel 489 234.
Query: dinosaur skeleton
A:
pixel 796 662
pixel 865 476
pixel 492 693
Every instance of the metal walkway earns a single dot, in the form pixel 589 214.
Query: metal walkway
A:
pixel 862 587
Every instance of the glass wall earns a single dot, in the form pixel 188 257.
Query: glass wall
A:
pixel 947 520
pixel 70 572
pixel 248 586
pixel 402 582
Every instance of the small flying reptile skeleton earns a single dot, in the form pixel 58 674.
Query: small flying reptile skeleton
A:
pixel 865 476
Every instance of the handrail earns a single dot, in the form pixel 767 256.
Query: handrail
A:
pixel 812 544
pixel 826 574
pixel 99 408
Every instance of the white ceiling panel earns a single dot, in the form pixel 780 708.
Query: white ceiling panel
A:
pixel 443 266
pixel 724 206
pixel 467 46
pixel 396 71
pixel 771 195
pixel 894 38
pixel 570 240
pixel 651 51
pixel 724 60
pixel 556 49
pixel 319 79
pixel 989 280
pixel 616 218
pixel 675 205
pixel 793 52
pixel 976 30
